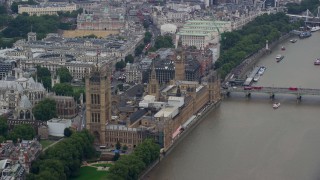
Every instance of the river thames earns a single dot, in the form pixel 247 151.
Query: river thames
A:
pixel 246 139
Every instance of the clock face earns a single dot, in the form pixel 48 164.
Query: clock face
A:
pixel 178 57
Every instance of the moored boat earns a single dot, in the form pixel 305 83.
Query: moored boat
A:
pixel 317 62
pixel 315 28
pixel 305 34
pixel 276 105
pixel 261 70
pixel 256 78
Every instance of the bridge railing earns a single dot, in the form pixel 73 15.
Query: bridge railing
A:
pixel 275 90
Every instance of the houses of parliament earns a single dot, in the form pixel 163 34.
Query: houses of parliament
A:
pixel 160 112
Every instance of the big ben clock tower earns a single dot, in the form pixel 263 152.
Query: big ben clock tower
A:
pixel 179 65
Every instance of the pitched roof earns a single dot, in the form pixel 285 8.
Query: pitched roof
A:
pixel 25 102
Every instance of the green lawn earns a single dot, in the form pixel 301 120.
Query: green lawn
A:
pixel 102 165
pixel 91 173
pixel 46 143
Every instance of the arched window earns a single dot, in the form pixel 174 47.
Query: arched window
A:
pixel 28 114
pixel 21 115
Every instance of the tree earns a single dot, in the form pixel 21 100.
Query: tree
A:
pixel 147 37
pixel 45 110
pixel 46 81
pixel 124 148
pixel 130 166
pixel 118 145
pixel 54 167
pixel 22 132
pixel 63 89
pixel 118 171
pixel 43 72
pixel 120 87
pixel 3 126
pixel 44 76
pixel 129 59
pixel 138 50
pixel 146 24
pixel 14 6
pixel 120 65
pixel 67 132
pixel 2 139
pixel 64 74
pixel 163 42
pixel 63 160
pixel 3 10
pixel 116 156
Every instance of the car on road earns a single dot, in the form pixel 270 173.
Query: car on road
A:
pixel 248 88
pixel 257 88
pixel 293 89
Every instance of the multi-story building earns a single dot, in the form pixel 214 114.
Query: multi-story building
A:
pixel 200 33
pixel 133 73
pixel 66 106
pixel 6 67
pixel 19 93
pixel 167 66
pixel 11 172
pixel 160 117
pixel 76 54
pixel 175 13
pixel 49 9
pixel 54 61
pixel 102 18
pixel 22 153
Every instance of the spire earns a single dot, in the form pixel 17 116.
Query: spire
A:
pixel 153 72
pixel 98 53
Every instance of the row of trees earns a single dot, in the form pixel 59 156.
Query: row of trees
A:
pixel 21 131
pixel 44 76
pixel 63 160
pixel 14 5
pixel 130 166
pixel 18 28
pixel 21 26
pixel 146 40
pixel 163 42
pixel 237 45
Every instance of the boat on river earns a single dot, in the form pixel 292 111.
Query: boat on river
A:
pixel 276 105
pixel 317 62
pixel 315 28
pixel 279 57
pixel 293 40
